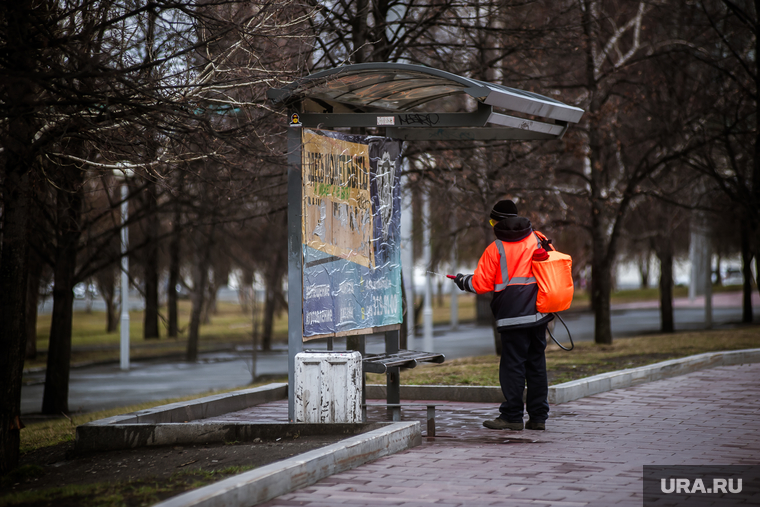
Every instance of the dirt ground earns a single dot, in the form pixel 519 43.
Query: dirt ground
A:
pixel 166 471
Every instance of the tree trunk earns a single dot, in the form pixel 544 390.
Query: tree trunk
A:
pixel 644 271
pixel 403 337
pixel 270 302
pixel 174 255
pixel 483 313
pixel 253 308
pixel 174 262
pixel 209 306
pixel 32 300
pixel 106 281
pixel 601 290
pixel 245 290
pixel 150 317
pixel 55 399
pixel 18 157
pixel 359 30
pixel 197 298
pixel 747 274
pixel 13 285
pixel 602 251
pixel 665 255
pixel 199 293
pixel 273 280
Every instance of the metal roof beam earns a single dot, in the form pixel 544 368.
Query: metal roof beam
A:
pixel 466 134
pixel 477 118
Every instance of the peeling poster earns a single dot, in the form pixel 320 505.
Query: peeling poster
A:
pixel 351 224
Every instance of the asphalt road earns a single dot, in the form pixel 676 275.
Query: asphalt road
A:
pixel 106 386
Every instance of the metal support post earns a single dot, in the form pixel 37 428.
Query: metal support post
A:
pixel 393 376
pixel 124 324
pixel 295 263
pixel 407 258
pixel 431 420
pixel 453 289
pixel 427 309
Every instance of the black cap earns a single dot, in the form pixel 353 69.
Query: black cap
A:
pixel 503 209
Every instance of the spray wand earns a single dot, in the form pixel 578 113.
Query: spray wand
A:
pixel 440 274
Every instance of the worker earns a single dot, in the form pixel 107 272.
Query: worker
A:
pixel 505 269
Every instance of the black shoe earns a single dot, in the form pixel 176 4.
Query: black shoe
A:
pixel 530 425
pixel 501 424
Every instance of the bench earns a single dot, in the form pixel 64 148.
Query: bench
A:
pixel 380 363
pixel 390 363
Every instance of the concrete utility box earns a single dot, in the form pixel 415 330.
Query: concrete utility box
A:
pixel 328 387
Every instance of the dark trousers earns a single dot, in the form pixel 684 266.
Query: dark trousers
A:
pixel 523 360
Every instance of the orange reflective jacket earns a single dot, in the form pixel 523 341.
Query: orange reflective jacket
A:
pixel 505 268
pixel 500 258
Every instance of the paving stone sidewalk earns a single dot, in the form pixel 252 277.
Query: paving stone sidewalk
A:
pixel 591 454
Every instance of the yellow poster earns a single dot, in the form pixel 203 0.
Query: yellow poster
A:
pixel 337 207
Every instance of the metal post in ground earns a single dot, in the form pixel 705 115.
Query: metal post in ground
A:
pixel 122 175
pixel 427 309
pixel 295 262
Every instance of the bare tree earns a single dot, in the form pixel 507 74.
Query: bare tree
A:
pixel 605 58
pixel 722 46
pixel 75 94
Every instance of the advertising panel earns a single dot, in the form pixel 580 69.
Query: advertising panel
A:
pixel 350 228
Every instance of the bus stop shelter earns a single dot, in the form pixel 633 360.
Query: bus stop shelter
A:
pixel 405 101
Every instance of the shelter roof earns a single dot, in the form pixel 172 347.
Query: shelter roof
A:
pixel 370 94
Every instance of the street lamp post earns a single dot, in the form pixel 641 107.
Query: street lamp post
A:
pixel 427 308
pixel 122 175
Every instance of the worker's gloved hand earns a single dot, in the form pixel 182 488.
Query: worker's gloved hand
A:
pixel 459 280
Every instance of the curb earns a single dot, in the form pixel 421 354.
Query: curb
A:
pixel 270 481
pixel 158 425
pixel 604 382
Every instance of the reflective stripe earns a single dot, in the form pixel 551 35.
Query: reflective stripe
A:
pixel 468 284
pixel 505 280
pixel 504 271
pixel 514 321
pixel 521 280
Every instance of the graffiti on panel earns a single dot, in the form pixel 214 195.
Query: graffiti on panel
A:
pixel 351 224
